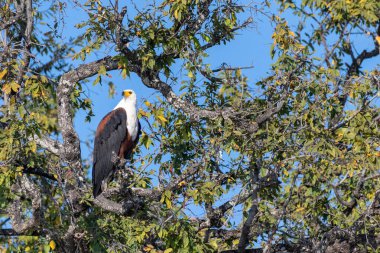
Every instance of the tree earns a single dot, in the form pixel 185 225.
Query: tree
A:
pixel 295 156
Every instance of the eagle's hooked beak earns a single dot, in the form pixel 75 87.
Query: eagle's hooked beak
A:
pixel 127 93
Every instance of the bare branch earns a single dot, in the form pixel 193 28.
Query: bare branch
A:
pixel 231 68
pixel 357 62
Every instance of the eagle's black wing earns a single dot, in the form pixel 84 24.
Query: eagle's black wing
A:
pixel 112 130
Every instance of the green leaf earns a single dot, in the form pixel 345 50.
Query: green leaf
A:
pixel 151 63
pixel 124 73
pixel 102 70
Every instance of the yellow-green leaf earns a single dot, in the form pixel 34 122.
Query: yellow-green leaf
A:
pixel 162 118
pixel 102 70
pixel 15 86
pixel 168 203
pixel 44 79
pixel 6 88
pixel 33 146
pixel 52 244
pixel 3 73
pixel 213 243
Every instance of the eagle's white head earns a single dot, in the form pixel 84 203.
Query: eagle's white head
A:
pixel 129 96
pixel 128 102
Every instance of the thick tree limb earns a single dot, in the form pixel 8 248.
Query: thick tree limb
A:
pixel 87 70
pixel 26 28
pixel 68 239
pixel 273 231
pixel 203 12
pixel 25 187
pixel 127 207
pixel 48 144
pixel 152 80
pixel 70 150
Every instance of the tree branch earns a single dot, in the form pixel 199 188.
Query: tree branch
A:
pixel 349 205
pixel 48 144
pixel 354 68
pixel 152 80
pixel 25 187
pixel 39 172
pixel 127 207
pixel 12 232
pixel 135 197
pixel 87 70
pixel 16 17
pixel 246 229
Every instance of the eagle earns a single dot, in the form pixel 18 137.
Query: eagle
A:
pixel 117 134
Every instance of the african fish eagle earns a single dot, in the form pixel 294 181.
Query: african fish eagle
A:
pixel 117 133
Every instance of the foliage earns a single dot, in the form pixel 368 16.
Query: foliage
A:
pixel 289 163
